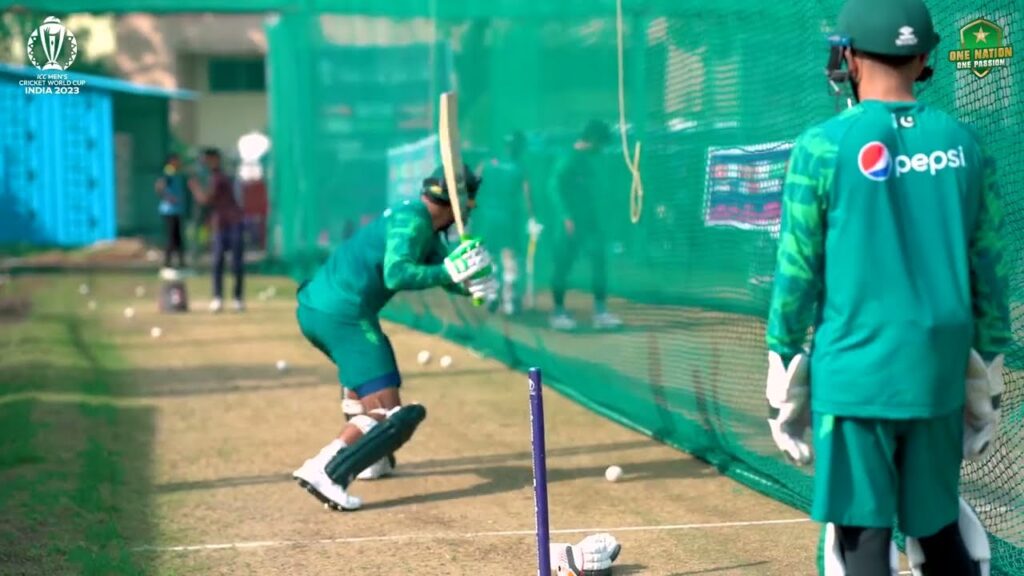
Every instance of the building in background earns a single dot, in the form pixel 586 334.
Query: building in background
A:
pixel 74 168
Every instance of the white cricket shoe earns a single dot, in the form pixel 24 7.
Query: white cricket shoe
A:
pixel 562 322
pixel 216 305
pixel 606 321
pixel 314 479
pixel 238 305
pixel 381 469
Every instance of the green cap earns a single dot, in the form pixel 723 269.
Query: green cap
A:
pixel 888 27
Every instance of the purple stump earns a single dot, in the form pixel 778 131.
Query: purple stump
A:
pixel 540 474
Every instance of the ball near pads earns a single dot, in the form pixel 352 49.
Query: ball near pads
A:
pixel 613 473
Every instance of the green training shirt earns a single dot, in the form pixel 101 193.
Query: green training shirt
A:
pixel 890 248
pixel 573 187
pixel 501 214
pixel 400 250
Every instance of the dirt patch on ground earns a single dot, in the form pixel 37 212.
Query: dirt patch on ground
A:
pixel 121 251
pixel 229 429
pixel 14 308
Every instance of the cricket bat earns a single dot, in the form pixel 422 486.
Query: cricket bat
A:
pixel 451 155
pixel 451 159
pixel 534 230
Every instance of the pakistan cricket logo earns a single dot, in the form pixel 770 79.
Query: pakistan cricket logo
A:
pixel 983 47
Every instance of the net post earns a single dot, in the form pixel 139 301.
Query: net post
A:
pixel 540 474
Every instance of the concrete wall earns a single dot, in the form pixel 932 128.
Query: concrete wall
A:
pixel 172 51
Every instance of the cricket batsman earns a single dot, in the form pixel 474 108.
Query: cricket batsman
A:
pixel 403 249
pixel 890 248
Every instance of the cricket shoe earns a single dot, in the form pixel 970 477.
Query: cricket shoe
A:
pixel 314 479
pixel 216 305
pixel 562 322
pixel 606 321
pixel 380 469
pixel 239 305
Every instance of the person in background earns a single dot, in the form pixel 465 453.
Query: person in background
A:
pixel 574 187
pixel 504 216
pixel 172 189
pixel 226 226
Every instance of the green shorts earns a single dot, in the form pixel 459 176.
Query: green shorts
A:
pixel 870 473
pixel 357 346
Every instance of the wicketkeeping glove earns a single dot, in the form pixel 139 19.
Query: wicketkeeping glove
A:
pixel 468 260
pixel 593 556
pixel 981 409
pixel 788 395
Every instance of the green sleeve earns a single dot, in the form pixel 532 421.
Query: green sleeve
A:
pixel 408 239
pixel 438 253
pixel 557 189
pixel 989 269
pixel 801 254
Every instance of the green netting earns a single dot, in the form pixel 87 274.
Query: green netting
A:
pixel 715 92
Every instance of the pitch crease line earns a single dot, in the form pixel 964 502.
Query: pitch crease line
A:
pixel 439 536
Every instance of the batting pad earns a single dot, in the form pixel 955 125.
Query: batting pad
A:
pixel 383 439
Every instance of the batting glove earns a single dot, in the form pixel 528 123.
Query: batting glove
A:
pixel 468 260
pixel 593 556
pixel 981 409
pixel 483 289
pixel 789 406
pixel 534 228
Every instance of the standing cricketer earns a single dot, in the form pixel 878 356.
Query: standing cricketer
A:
pixel 891 249
pixel 574 184
pixel 172 189
pixel 504 217
pixel 338 308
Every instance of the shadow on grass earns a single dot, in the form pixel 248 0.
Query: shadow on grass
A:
pixel 422 468
pixel 74 476
pixel 717 569
pixel 500 479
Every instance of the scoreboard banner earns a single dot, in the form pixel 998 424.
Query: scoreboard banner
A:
pixel 744 185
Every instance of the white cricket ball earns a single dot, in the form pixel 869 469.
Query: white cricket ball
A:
pixel 140 291
pixel 423 357
pixel 129 312
pixel 92 304
pixel 446 361
pixel 83 289
pixel 282 365
pixel 155 332
pixel 613 473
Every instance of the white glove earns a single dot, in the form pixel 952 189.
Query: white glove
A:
pixel 533 228
pixel 592 556
pixel 483 289
pixel 469 259
pixel 981 409
pixel 789 397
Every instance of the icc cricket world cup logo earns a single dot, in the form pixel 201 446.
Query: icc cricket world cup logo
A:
pixel 52 43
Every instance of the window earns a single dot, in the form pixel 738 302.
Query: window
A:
pixel 236 74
